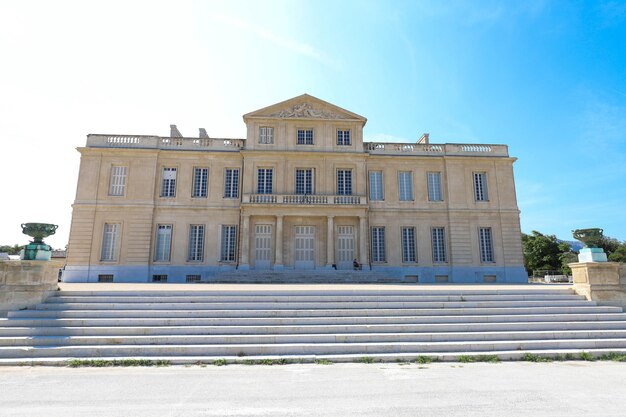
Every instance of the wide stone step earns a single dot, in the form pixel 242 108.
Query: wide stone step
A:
pixel 363 349
pixel 377 357
pixel 320 305
pixel 308 291
pixel 313 313
pixel 221 339
pixel 308 299
pixel 125 329
pixel 303 321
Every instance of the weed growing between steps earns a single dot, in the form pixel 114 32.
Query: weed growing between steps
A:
pixel 479 358
pixel 101 363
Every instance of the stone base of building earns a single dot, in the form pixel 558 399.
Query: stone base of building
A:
pixel 228 273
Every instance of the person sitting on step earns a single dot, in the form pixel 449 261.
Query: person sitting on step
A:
pixel 356 265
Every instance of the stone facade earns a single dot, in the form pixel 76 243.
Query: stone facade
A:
pixel 302 191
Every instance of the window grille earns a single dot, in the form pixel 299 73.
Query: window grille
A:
pixel 196 243
pixel 117 184
pixel 229 243
pixel 378 244
pixel 439 244
pixel 486 244
pixel 408 245
pixel 105 278
pixel 159 278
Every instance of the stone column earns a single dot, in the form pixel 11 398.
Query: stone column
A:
pixel 330 243
pixel 363 258
pixel 600 282
pixel 245 243
pixel 278 258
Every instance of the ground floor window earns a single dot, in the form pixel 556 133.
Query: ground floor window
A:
pixel 229 243
pixel 378 244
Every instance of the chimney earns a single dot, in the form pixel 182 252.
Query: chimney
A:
pixel 423 139
pixel 174 133
pixel 203 133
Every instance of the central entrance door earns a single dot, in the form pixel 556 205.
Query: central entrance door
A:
pixel 305 247
pixel 262 246
pixel 345 247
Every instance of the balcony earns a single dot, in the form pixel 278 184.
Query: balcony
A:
pixel 427 149
pixel 157 142
pixel 305 199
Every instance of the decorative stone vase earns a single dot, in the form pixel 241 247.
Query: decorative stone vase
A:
pixel 591 238
pixel 37 250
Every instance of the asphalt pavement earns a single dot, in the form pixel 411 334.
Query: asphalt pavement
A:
pixel 568 389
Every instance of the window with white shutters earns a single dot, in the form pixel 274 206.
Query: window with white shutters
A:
pixel 434 186
pixel 266 134
pixel 405 185
pixel 376 185
pixel 117 185
pixel 110 237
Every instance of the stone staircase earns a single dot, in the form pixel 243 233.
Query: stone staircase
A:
pixel 321 276
pixel 309 324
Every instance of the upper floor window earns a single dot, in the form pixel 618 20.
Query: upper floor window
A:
pixel 304 181
pixel 376 185
pixel 344 182
pixel 305 137
pixel 231 183
pixel 480 186
pixel 163 243
pixel 343 137
pixel 434 186
pixel 405 185
pixel 264 180
pixel 486 244
pixel 266 134
pixel 117 184
pixel 168 182
pixel 200 181
pixel 110 238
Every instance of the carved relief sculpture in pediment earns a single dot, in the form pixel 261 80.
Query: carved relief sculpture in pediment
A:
pixel 305 110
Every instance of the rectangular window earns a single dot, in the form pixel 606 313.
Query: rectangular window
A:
pixel 305 137
pixel 159 278
pixel 480 186
pixel 438 235
pixel 231 183
pixel 378 244
pixel 376 185
pixel 266 134
pixel 343 137
pixel 105 278
pixel 200 182
pixel 264 181
pixel 163 243
pixel 117 185
pixel 434 186
pixel 110 236
pixel 408 245
pixel 344 182
pixel 229 243
pixel 196 243
pixel 304 181
pixel 486 244
pixel 168 182
pixel 405 185
pixel 193 278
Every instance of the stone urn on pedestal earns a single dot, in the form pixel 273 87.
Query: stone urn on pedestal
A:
pixel 591 238
pixel 37 250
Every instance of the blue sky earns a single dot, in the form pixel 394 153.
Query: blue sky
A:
pixel 548 78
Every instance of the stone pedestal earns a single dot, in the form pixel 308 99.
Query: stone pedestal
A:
pixel 24 284
pixel 592 255
pixel 600 282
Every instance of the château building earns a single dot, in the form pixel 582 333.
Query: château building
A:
pixel 302 191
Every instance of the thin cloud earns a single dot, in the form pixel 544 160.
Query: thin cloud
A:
pixel 289 44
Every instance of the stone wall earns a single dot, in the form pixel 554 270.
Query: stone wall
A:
pixel 602 282
pixel 24 284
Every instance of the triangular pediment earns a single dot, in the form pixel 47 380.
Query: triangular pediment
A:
pixel 304 107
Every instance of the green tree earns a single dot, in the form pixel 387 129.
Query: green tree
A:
pixel 11 250
pixel 542 251
pixel 619 254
